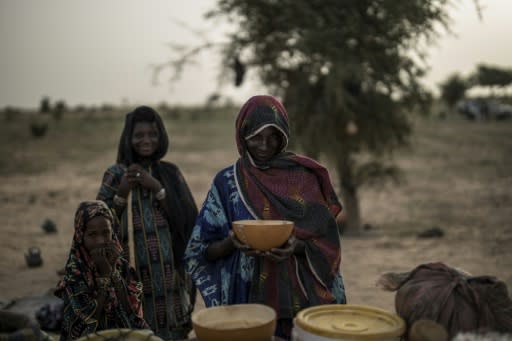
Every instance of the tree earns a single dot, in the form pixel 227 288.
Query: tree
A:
pixel 453 89
pixel 492 76
pixel 44 105
pixel 59 109
pixel 339 65
pixel 348 72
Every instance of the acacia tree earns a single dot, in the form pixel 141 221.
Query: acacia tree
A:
pixel 348 71
pixel 492 76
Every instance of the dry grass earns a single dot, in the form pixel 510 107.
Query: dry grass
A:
pixel 458 177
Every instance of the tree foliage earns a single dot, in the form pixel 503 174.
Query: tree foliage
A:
pixel 339 65
pixel 45 105
pixel 453 89
pixel 491 76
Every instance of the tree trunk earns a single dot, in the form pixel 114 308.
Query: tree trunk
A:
pixel 351 224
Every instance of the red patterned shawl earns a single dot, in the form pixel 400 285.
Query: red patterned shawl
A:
pixel 290 187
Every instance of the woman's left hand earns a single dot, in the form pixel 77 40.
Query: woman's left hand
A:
pixel 137 174
pixel 282 253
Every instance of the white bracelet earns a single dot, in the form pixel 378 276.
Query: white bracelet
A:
pixel 160 195
pixel 119 201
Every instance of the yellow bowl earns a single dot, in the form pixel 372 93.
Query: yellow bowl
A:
pixel 263 235
pixel 248 322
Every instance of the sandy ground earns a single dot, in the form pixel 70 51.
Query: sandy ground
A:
pixel 480 240
pixel 28 200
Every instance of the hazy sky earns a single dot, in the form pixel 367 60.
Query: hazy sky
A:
pixel 100 51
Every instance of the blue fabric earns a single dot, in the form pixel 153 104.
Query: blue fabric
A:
pixel 166 298
pixel 225 281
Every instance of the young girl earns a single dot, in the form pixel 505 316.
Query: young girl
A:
pixel 157 212
pixel 99 288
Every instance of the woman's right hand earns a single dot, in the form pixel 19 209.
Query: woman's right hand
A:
pixel 224 247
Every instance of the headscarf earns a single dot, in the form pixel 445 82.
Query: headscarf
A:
pixel 125 153
pixel 78 287
pixel 268 180
pixel 183 209
pixel 290 187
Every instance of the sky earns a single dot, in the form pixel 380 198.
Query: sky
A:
pixel 101 51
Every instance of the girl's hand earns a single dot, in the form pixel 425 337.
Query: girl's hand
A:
pixel 137 175
pixel 113 253
pixel 125 186
pixel 101 261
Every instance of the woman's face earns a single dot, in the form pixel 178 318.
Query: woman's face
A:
pixel 98 233
pixel 265 145
pixel 145 138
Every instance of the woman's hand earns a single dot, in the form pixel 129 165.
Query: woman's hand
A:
pixel 284 252
pixel 243 247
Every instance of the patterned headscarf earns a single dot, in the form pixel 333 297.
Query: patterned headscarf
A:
pixel 290 187
pixel 78 287
pixel 277 179
pixel 183 210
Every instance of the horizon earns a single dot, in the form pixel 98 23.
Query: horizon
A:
pixel 87 54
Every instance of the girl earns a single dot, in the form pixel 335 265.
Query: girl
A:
pixel 99 290
pixel 157 213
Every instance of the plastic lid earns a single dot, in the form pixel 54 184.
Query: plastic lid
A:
pixel 354 322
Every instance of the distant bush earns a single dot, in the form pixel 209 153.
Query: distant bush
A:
pixel 107 107
pixel 45 105
pixel 49 226
pixel 39 125
pixel 38 129
pixel 80 108
pixel 10 113
pixel 59 109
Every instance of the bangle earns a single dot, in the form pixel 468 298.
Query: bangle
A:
pixel 160 195
pixel 119 201
pixel 103 282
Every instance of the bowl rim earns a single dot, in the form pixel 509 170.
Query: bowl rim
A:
pixel 263 222
pixel 198 313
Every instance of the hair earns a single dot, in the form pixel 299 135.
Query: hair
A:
pixel 125 153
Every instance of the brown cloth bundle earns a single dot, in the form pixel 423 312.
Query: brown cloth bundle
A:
pixel 18 327
pixel 450 297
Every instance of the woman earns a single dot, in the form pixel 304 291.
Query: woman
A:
pixel 99 289
pixel 156 212
pixel 267 182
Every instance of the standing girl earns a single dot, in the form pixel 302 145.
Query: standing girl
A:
pixel 156 211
